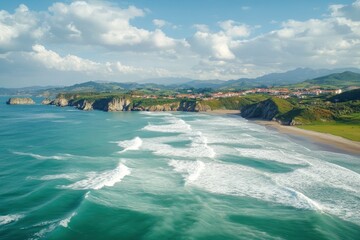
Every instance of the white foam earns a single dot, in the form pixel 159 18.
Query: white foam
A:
pixel 99 180
pixel 190 169
pixel 277 155
pixel 65 222
pixel 44 231
pixel 172 125
pixel 198 147
pixel 10 218
pixel 41 157
pixel 241 181
pixel 155 113
pixel 320 186
pixel 130 145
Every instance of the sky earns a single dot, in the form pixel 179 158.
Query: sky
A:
pixel 63 42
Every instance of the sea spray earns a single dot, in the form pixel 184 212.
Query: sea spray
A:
pixel 99 180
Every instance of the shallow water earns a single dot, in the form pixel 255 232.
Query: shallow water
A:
pixel 68 174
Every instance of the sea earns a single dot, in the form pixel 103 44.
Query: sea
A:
pixel 71 174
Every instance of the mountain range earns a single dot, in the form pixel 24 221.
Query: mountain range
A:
pixel 300 77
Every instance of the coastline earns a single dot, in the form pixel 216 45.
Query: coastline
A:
pixel 326 141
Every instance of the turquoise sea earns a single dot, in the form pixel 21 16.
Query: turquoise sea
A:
pixel 70 174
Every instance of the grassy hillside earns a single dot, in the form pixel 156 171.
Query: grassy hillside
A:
pixel 233 103
pixel 336 80
pixel 346 96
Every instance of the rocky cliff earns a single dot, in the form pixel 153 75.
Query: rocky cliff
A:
pixel 267 110
pixel 117 104
pixel 46 101
pixel 20 101
pixel 60 102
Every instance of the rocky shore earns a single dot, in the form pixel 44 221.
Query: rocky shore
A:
pixel 119 104
pixel 20 101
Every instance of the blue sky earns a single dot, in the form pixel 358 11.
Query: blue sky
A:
pixel 65 42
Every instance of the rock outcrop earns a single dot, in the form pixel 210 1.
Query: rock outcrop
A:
pixel 118 104
pixel 20 101
pixel 46 101
pixel 82 104
pixel 193 106
pixel 60 102
pixel 266 110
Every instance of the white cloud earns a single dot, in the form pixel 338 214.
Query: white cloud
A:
pixel 218 45
pixel 245 8
pixel 71 63
pixel 77 31
pixel 159 23
pixel 106 25
pixel 17 29
pixel 52 60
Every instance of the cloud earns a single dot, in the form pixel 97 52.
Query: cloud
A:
pixel 332 41
pixel 245 8
pixel 52 60
pixel 83 23
pixel 18 29
pixel 159 23
pixel 102 24
pixel 100 40
pixel 218 45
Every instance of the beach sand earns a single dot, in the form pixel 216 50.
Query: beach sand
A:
pixel 326 141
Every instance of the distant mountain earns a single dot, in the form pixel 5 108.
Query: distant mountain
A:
pixel 339 80
pixel 273 79
pixel 286 78
pixel 166 81
pixel 300 77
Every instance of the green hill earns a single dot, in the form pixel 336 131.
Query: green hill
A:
pixel 346 96
pixel 336 80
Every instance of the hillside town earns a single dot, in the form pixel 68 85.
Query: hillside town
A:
pixel 279 92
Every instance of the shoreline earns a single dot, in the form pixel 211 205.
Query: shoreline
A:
pixel 326 141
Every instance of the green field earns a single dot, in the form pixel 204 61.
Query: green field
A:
pixel 349 131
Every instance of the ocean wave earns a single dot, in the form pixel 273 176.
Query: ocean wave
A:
pixel 277 155
pixel 172 125
pixel 191 170
pixel 41 157
pixel 65 222
pixel 10 218
pixel 321 186
pixel 130 145
pixel 99 180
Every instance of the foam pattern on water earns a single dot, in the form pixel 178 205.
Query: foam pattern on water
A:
pixel 99 180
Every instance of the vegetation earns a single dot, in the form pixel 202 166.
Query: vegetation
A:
pixel 348 131
pixel 234 103
pixel 332 81
pixel 346 96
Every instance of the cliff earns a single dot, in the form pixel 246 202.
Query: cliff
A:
pixel 110 103
pixel 267 110
pixel 60 102
pixel 20 101
pixel 46 101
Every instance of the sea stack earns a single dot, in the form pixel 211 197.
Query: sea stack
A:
pixel 20 101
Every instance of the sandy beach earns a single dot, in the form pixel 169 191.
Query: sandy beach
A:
pixel 224 111
pixel 329 141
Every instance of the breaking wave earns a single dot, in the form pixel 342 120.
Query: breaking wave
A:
pixel 99 180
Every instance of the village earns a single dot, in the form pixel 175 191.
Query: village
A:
pixel 279 92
